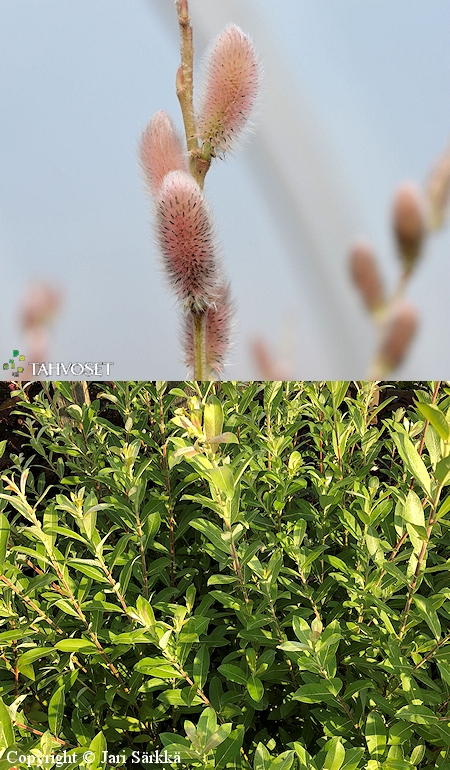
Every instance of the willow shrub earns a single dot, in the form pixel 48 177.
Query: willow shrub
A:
pixel 241 575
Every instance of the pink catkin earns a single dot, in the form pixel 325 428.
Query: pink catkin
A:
pixel 218 332
pixel 409 222
pixel 400 330
pixel 366 275
pixel 230 91
pixel 187 240
pixel 161 151
pixel 40 306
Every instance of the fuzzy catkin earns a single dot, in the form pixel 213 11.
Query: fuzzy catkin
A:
pixel 218 330
pixel 186 238
pixel 230 91
pixel 161 151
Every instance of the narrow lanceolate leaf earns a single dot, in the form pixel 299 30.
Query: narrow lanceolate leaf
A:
pixel 98 748
pixel 187 241
pixel 161 151
pixel 201 666
pixel 419 714
pixel 375 734
pixel 56 710
pixel 213 417
pixel 413 510
pixel 230 748
pixel 6 728
pixel 255 687
pixel 412 459
pixel 4 535
pixel 335 755
pixel 429 614
pixel 233 673
pixel 437 419
pixel 230 91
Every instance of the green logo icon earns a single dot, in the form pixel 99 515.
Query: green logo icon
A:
pixel 12 364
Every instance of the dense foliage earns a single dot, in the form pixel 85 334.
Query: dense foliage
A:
pixel 242 575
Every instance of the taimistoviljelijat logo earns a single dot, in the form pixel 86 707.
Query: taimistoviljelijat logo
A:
pixel 14 363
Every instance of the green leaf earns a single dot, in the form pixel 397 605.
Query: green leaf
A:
pixel 212 418
pixel 315 693
pixel 271 391
pixel 229 750
pixel 158 667
pixel 222 478
pixel 437 419
pixel 56 710
pixel 442 471
pixel 413 510
pixel 178 698
pixel 67 608
pixel 375 734
pixel 422 715
pixel 299 532
pixel 262 758
pixel 6 727
pixel 99 748
pixel 412 459
pixel 301 630
pixel 335 755
pixel 201 666
pixel 304 757
pixel 25 660
pixel 76 645
pixel 444 669
pixel 338 390
pixel 218 737
pixel 443 509
pixel 255 688
pixel 212 532
pixel 294 646
pixel 417 754
pixel 283 761
pixel 233 673
pixel 224 438
pixel 429 614
pixel 90 570
pixel 145 611
pixel 352 759
pixel 4 535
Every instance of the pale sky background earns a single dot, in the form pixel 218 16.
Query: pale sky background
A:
pixel 367 88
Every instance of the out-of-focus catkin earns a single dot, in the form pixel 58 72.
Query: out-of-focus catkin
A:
pixel 230 91
pixel 40 306
pixel 161 151
pixel 218 330
pixel 438 192
pixel 366 276
pixel 409 223
pixel 187 241
pixel 401 326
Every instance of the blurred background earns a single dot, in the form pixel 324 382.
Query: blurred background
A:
pixel 355 100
